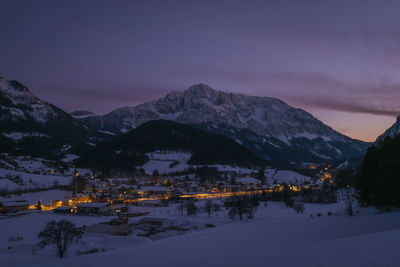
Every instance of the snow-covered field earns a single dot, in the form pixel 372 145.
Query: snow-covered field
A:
pixel 236 169
pixel 24 173
pixel 25 180
pixel 44 196
pixel 16 136
pixel 284 176
pixel 277 237
pixel 161 160
pixel 25 163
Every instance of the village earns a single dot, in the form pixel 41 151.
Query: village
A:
pixel 154 205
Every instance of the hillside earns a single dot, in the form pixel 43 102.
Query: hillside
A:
pixel 128 150
pixel 379 174
pixel 380 169
pixel 32 126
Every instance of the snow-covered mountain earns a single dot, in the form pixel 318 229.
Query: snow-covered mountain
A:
pixel 30 124
pixel 391 132
pixel 17 103
pixel 268 117
pixel 268 126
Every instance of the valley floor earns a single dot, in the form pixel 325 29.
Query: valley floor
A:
pixel 277 237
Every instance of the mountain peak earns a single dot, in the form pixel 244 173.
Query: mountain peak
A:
pixel 20 104
pixel 201 89
pixel 35 126
pixel 12 85
pixel 18 86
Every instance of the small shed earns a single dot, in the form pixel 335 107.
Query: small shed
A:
pixel 152 203
pixel 93 208
pixel 63 210
pixel 14 206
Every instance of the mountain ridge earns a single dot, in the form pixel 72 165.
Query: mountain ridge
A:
pixel 266 117
pixel 30 125
pixel 390 132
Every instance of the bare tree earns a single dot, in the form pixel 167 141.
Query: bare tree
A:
pixel 39 205
pixel 60 235
pixel 191 207
pixel 349 200
pixel 237 206
pixel 299 207
pixel 253 203
pixel 181 207
pixel 209 207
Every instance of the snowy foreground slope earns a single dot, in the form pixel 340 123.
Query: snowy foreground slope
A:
pixel 278 237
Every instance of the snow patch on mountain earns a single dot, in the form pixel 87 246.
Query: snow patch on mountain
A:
pixel 81 114
pixel 106 132
pixel 13 114
pixel 320 155
pixel 16 136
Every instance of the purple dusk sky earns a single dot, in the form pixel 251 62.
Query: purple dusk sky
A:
pixel 339 60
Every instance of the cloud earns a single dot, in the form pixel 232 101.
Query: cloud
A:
pixel 345 106
pixel 377 98
pixel 100 99
pixel 374 95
